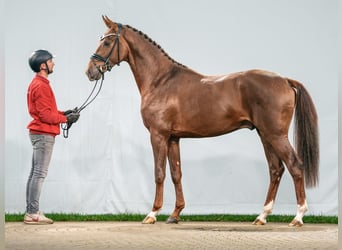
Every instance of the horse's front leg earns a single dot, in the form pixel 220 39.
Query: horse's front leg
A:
pixel 159 147
pixel 176 173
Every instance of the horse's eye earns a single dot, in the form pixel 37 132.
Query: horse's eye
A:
pixel 106 44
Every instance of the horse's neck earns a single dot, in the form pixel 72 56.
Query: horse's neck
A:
pixel 148 62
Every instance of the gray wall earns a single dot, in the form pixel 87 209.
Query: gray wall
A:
pixel 106 164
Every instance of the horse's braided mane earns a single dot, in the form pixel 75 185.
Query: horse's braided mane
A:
pixel 155 44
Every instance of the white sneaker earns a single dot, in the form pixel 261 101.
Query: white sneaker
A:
pixel 37 219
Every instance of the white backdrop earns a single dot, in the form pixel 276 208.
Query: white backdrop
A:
pixel 106 164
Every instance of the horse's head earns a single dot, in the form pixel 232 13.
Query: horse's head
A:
pixel 109 52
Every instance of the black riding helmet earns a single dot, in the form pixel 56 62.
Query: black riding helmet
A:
pixel 38 57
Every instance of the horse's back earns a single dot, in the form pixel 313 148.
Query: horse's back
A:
pixel 252 89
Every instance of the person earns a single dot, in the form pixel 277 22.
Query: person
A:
pixel 43 128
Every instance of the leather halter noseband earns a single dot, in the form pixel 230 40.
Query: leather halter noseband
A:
pixel 106 66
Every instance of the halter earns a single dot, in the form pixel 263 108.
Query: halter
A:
pixel 106 66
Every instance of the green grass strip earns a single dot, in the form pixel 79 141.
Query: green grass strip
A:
pixel 187 218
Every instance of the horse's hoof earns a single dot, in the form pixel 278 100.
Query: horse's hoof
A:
pixel 172 220
pixel 296 223
pixel 149 220
pixel 258 222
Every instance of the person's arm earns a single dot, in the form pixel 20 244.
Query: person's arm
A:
pixel 46 107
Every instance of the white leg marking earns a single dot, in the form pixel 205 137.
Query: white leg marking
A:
pixel 300 212
pixel 267 210
pixel 153 215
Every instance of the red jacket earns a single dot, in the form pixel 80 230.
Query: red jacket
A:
pixel 42 107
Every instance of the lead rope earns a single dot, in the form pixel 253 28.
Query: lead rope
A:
pixel 86 102
pixel 66 126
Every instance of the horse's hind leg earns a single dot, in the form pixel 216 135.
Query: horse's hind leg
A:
pixel 276 170
pixel 286 153
pixel 176 173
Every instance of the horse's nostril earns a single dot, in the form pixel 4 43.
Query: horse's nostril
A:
pixel 90 75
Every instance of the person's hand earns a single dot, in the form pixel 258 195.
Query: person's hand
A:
pixel 72 117
pixel 69 111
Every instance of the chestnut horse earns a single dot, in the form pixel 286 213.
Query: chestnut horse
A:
pixel 177 102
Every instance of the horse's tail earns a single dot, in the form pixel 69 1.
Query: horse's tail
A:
pixel 306 133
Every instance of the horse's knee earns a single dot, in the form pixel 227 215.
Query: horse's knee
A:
pixel 159 176
pixel 159 179
pixel 159 173
pixel 176 178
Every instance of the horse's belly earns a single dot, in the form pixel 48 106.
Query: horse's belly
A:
pixel 208 127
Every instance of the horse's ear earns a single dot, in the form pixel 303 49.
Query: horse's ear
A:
pixel 108 22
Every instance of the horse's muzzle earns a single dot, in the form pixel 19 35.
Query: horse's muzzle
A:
pixel 93 73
